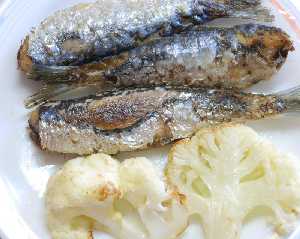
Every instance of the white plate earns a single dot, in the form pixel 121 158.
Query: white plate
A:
pixel 24 169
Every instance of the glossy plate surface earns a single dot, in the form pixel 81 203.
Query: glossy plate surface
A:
pixel 24 169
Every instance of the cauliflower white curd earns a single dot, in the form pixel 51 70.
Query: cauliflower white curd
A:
pixel 227 172
pixel 126 200
pixel 221 174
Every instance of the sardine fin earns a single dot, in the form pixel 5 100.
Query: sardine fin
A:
pixel 51 73
pixel 46 93
pixel 63 91
pixel 291 98
pixel 258 13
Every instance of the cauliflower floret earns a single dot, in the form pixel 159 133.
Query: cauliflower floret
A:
pixel 73 192
pixel 162 216
pixel 221 174
pixel 224 173
pixel 138 178
pixel 127 200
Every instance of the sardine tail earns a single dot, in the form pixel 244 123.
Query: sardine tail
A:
pixel 258 13
pixel 291 98
pixel 64 90
pixel 46 93
pixel 51 73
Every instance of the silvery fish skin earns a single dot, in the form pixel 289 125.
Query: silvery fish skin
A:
pixel 91 31
pixel 235 57
pixel 133 119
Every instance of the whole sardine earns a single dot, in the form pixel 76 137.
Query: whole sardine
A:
pixel 232 57
pixel 132 119
pixel 87 32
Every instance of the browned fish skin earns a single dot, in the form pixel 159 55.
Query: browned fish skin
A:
pixel 237 57
pixel 132 119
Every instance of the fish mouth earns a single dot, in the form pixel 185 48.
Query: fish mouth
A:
pixel 269 42
pixel 281 55
pixel 282 45
pixel 24 61
pixel 34 127
pixel 277 46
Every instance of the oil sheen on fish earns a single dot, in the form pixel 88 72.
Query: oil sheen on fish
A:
pixel 91 31
pixel 132 119
pixel 234 57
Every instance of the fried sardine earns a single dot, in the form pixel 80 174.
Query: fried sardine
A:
pixel 132 119
pixel 90 31
pixel 234 57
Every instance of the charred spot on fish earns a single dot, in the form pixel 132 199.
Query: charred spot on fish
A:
pixel 34 131
pixel 209 79
pixel 35 137
pixel 280 56
pixel 187 80
pixel 283 52
pixel 106 133
pixel 159 140
pixel 180 68
pixel 129 130
pixel 265 107
pixel 34 120
pixel 112 78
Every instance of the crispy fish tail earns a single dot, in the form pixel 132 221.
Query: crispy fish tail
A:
pixel 258 13
pixel 59 80
pixel 51 73
pixel 94 72
pixel 47 92
pixel 292 99
pixel 53 91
